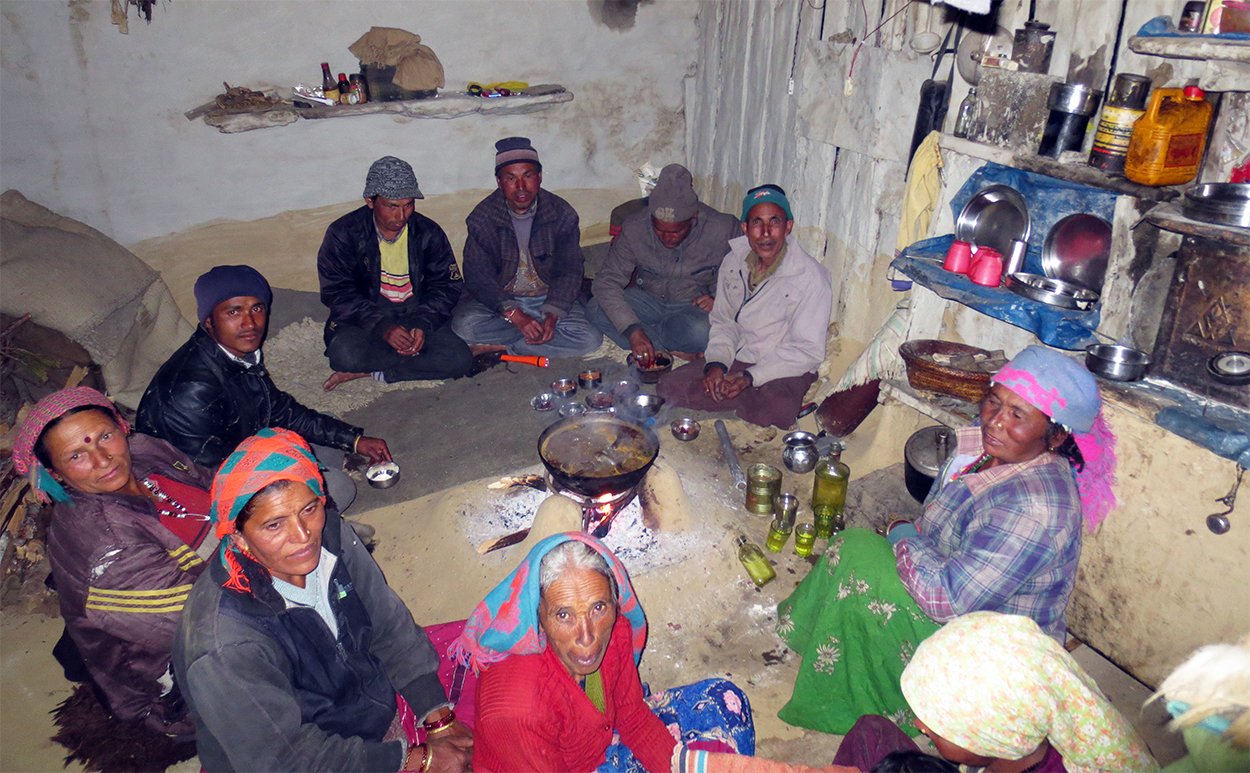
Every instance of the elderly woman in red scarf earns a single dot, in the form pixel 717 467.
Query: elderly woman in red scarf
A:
pixel 559 641
pixel 294 653
pixel 130 511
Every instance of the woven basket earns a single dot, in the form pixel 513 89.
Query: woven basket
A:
pixel 925 373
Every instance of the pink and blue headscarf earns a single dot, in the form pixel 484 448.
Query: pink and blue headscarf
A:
pixel 1064 390
pixel 506 621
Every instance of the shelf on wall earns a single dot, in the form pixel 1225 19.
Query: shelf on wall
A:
pixel 1169 217
pixel 1076 173
pixel 446 105
pixel 1227 62
pixel 945 409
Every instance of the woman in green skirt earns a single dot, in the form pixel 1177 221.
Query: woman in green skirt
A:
pixel 1001 531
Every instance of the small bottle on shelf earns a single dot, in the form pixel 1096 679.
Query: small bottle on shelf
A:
pixel 329 86
pixel 345 89
pixel 967 112
pixel 754 562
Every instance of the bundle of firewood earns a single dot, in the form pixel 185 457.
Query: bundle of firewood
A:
pixel 238 99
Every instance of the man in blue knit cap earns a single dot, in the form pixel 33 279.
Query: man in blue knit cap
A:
pixel 523 266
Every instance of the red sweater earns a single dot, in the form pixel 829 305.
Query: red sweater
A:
pixel 532 714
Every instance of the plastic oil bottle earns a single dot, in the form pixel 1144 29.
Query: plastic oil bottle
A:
pixel 1168 140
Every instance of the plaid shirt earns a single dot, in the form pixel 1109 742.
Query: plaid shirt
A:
pixel 1005 540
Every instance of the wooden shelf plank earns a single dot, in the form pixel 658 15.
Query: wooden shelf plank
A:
pixel 449 105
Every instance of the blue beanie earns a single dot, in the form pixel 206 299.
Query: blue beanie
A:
pixel 225 282
pixel 766 194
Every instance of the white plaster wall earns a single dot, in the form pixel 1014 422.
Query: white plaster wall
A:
pixel 92 126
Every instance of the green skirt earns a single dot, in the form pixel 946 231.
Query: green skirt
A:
pixel 856 627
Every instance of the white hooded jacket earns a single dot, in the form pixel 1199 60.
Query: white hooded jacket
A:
pixel 781 326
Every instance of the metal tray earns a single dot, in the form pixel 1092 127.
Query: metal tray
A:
pixel 1076 250
pixel 994 217
pixel 1052 292
pixel 1222 203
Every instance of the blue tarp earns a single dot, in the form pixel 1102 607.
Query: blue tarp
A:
pixel 1162 27
pixel 1049 200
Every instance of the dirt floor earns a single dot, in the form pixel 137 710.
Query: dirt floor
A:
pixel 454 441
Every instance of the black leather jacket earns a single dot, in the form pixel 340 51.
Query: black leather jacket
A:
pixel 349 266
pixel 205 404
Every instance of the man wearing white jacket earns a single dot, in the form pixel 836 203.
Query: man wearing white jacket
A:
pixel 768 324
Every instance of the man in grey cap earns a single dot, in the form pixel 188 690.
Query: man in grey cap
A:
pixel 390 280
pixel 523 265
pixel 659 280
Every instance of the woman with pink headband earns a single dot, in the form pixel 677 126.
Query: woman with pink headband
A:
pixel 1000 531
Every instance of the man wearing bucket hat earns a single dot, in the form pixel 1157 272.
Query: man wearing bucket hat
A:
pixel 768 324
pixel 215 390
pixel 523 266
pixel 671 253
pixel 390 280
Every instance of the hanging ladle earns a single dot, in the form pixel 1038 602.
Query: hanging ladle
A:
pixel 926 42
pixel 1218 522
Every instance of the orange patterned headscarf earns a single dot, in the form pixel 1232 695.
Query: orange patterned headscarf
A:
pixel 269 456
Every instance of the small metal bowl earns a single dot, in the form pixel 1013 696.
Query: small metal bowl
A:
pixel 382 474
pixel 650 373
pixel 564 387
pixel 624 389
pixel 685 428
pixel 600 401
pixel 644 406
pixel 544 402
pixel 590 379
pixel 1116 362
pixel 572 409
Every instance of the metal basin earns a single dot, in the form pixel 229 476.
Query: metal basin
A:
pixel 1116 362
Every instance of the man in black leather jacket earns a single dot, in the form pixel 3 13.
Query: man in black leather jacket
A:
pixel 390 280
pixel 215 391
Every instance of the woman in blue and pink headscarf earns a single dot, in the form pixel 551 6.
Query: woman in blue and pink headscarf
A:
pixel 1001 532
pixel 559 642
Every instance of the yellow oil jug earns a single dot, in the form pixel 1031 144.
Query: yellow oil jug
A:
pixel 1169 138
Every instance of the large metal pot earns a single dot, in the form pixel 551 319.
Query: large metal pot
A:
pixel 597 453
pixel 924 454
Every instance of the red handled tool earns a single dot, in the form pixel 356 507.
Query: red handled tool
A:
pixel 535 360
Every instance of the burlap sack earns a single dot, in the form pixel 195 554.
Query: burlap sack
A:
pixel 417 67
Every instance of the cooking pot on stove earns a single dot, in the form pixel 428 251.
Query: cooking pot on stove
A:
pixel 597 453
pixel 924 454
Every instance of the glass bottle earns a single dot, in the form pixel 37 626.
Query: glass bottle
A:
pixel 329 86
pixel 967 112
pixel 829 494
pixel 754 562
pixel 345 89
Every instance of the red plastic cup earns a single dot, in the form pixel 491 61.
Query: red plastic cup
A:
pixel 988 269
pixel 958 257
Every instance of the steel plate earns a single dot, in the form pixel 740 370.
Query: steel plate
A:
pixel 1076 251
pixel 1052 292
pixel 994 217
pixel 1222 203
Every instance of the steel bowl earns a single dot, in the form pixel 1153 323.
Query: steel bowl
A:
pixel 1222 203
pixel 564 387
pixel 382 474
pixel 590 379
pixel 650 373
pixel 685 428
pixel 572 409
pixel 1116 362
pixel 600 400
pixel 643 406
pixel 545 401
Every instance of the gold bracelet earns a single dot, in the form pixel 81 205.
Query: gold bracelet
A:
pixel 427 758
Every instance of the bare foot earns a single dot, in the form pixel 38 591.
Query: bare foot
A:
pixel 476 349
pixel 688 356
pixel 337 378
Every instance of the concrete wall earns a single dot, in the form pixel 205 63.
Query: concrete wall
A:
pixel 92 120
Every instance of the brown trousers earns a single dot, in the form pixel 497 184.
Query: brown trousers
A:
pixel 776 403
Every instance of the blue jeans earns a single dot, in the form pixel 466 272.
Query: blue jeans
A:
pixel 676 327
pixel 574 335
